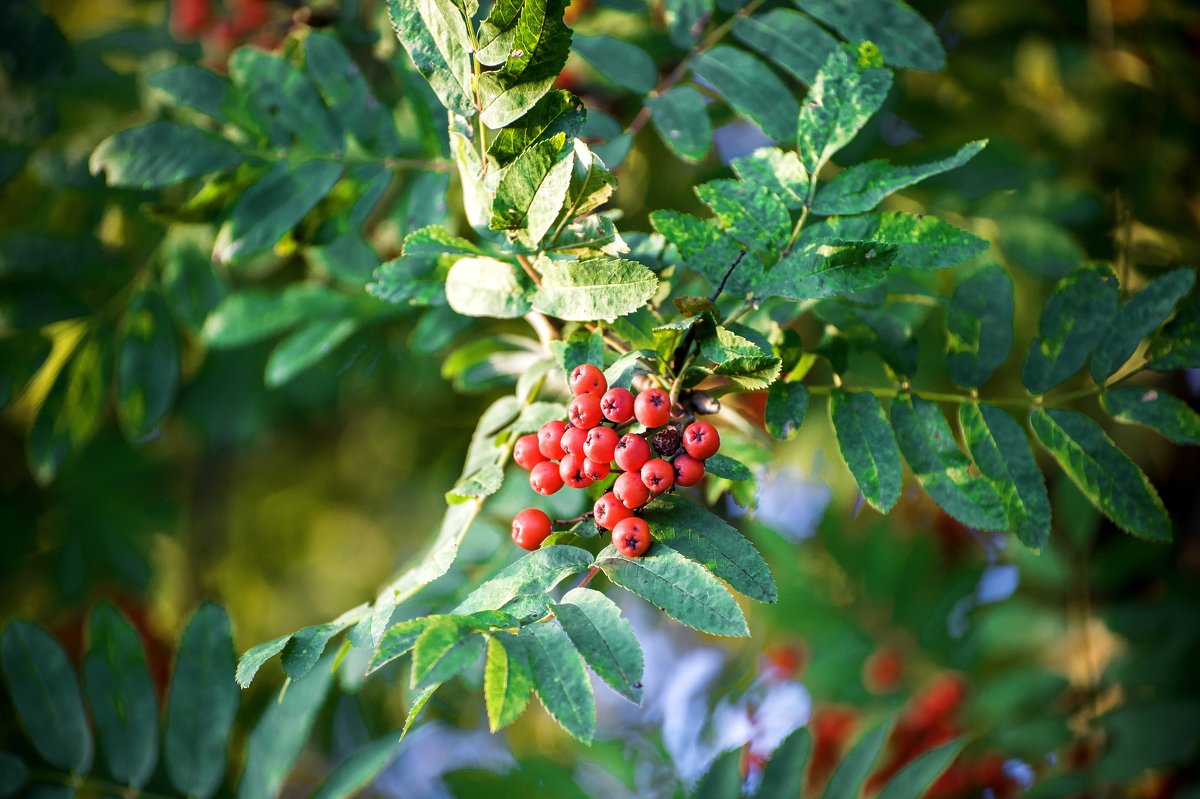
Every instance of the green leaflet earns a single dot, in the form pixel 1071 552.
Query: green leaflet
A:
pixel 749 85
pixel 256 656
pixel 979 326
pixel 1105 474
pixel 888 330
pixel 941 468
pixel 791 40
pixel 842 98
pixel 532 189
pixel 538 50
pixel 740 359
pixel 253 315
pixel 783 777
pixel 560 679
pixel 195 87
pixel 1177 346
pixel 398 640
pixel 597 288
pixel 557 112
pixel 680 116
pixel 590 235
pixel 579 348
pixel 160 154
pixel 14 774
pixel 433 33
pixel 906 40
pixel 686 20
pixel 679 587
pixel 999 448
pixel 305 646
pixel 1073 321
pixel 537 572
pixel 1158 410
pixel 147 364
pixel 912 781
pixel 537 414
pixel 868 446
pixel 356 772
pixel 445 647
pixel 483 286
pixel 697 533
pixel 723 777
pixel 751 214
pixel 594 624
pixel 591 183
pixel 922 242
pixel 819 269
pixel 190 284
pixel 307 347
pixel 74 407
pixel 348 94
pixel 708 250
pixel 724 466
pixel 848 778
pixel 779 172
pixel 494 39
pixel 1040 246
pixel 863 186
pixel 1140 316
pixel 786 405
pixel 507 680
pixel 434 240
pixel 623 370
pixel 23 355
pixel 622 63
pixel 281 95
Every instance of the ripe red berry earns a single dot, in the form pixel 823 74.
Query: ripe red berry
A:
pixel 658 475
pixel 596 470
pixel 601 444
pixel 630 489
pixel 587 379
pixel 189 18
pixel 617 405
pixel 688 470
pixel 530 528
pixel 632 452
pixel 571 471
pixel 631 537
pixel 701 440
pixel 550 439
pixel 526 452
pixel 608 511
pixel 573 438
pixel 585 411
pixel 653 407
pixel 545 479
pixel 883 670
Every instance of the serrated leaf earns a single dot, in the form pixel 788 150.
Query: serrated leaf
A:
pixel 863 186
pixel 786 405
pixel 359 770
pixel 557 112
pixel 783 776
pixel 791 40
pixel 999 448
pixel 723 777
pixel 1105 474
pixel 307 347
pixel 507 680
pixel 532 189
pixel 625 368
pixel 1177 346
pixel 590 235
pixel 256 657
pixel 483 286
pixel 445 647
pixel 560 679
pixel 726 467
pixel 399 640
pixel 868 446
pixel 680 115
pixel 828 269
pixel 1165 414
pixel 708 250
pixel 592 184
pixel 979 326
pixel 483 482
pixel 1073 321
pixel 121 696
pixel 348 95
pixel 741 360
pixel 537 572
pixel 847 780
pixel 160 154
pixel 45 694
pixel 201 705
pixel 539 47
pixel 679 587
pixel 751 214
pixel 594 624
pixel 842 98
pixel 284 96
pixel 1140 316
pixel 305 647
pixel 596 288
pixel 252 315
pixel 194 87
pixel 751 88
pixel 536 414
pixel 779 172
pixel 921 241
pixel 620 62
pixel 435 241
pixel 912 781
pixel 905 38
pixel 433 33
pixel 928 444
pixel 147 364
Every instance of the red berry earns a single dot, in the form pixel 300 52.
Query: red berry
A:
pixel 596 470
pixel 550 439
pixel 585 411
pixel 617 405
pixel 701 440
pixel 573 438
pixel 658 475
pixel 653 407
pixel 883 670
pixel 530 528
pixel 688 470
pixel 571 471
pixel 526 452
pixel 601 444
pixel 609 510
pixel 632 452
pixel 545 479
pixel 630 489
pixel 587 379
pixel 189 18
pixel 631 537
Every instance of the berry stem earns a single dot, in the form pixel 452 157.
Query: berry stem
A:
pixel 587 578
pixel 568 522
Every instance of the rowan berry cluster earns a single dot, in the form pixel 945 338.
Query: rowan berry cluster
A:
pixel 590 447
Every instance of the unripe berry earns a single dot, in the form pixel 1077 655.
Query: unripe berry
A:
pixel 630 489
pixel 608 510
pixel 526 452
pixel 595 470
pixel 573 438
pixel 688 470
pixel 550 439
pixel 617 405
pixel 601 444
pixel 585 411
pixel 587 379
pixel 632 452
pixel 658 475
pixel 545 479
pixel 701 440
pixel 530 528
pixel 631 537
pixel 571 471
pixel 652 407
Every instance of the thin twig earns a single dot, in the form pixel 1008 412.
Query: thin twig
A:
pixel 568 522
pixel 681 352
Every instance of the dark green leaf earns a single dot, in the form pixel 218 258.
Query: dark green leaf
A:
pixel 868 446
pixel 594 624
pixel 625 64
pixel 724 466
pixel 905 38
pixel 979 326
pixel 596 288
pixel 680 116
pixel 829 269
pixel 254 658
pixel 750 213
pixel 398 640
pixel 1040 246
pixel 747 364
pixel 282 95
pixel 74 407
pixel 580 348
pixel 507 680
pixel 1158 410
pixel 190 284
pixel 306 347
pixel 306 646
pixel 1139 317
pixel 557 112
pixel 686 20
pixel 723 777
pixel 791 40
pixel 147 364
pixel 623 370
pixel 1177 346
pixel 195 87
pixel 783 777
pixel 786 405
pixel 779 172
pixel 160 154
pixel 537 572
pixel 750 86
pixel 14 774
pixel 848 778
pixel 708 250
pixel 532 189
pixel 922 241
pixel 22 354
pixel 844 96
pixel 484 286
pixel 560 679
pixel 912 781
pixel 356 772
pixel 253 315
pixel 863 186
pixel 434 33
pixel 348 94
pixel 1073 321
pixel 446 647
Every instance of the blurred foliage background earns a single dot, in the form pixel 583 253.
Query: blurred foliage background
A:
pixel 1073 669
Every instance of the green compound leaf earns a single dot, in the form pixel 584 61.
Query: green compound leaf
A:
pixel 201 705
pixel 45 694
pixel 532 189
pixel 253 315
pixel 842 98
pixel 594 624
pixel 979 326
pixel 1105 474
pixel 868 446
pixel 708 250
pixel 121 696
pixel 535 573
pixel 848 778
pixel 539 47
pixel 446 647
pixel 786 405
pixel 704 537
pixel 1158 410
pixel 1177 346
pixel 912 781
pixel 356 772
pixel 283 96
pixel 906 40
pixel 922 242
pixel 160 154
pixel 557 112
pixel 779 172
pixel 1073 321
pixel 751 214
pixel 484 286
pixel 723 777
pixel 681 588
pixel 749 85
pixel 941 468
pixel 507 680
pixel 433 33
pixel 560 679
pixel 596 288
pixel 680 115
pixel 820 269
pixel 620 62
pixel 783 777
pixel 791 40
pixel 147 364
pixel 863 186
pixel 1139 317
pixel 1000 450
